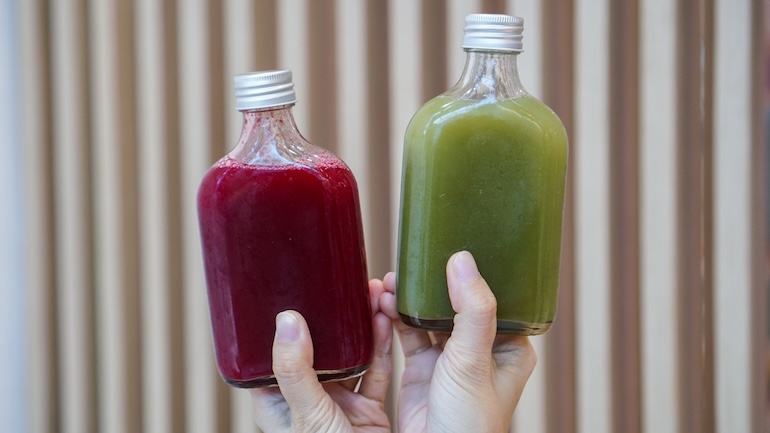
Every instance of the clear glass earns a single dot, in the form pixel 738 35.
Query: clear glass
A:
pixel 484 171
pixel 488 75
pixel 271 137
pixel 281 229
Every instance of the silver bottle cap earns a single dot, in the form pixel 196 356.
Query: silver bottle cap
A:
pixel 493 32
pixel 263 89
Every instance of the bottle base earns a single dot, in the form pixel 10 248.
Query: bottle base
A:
pixel 323 376
pixel 503 326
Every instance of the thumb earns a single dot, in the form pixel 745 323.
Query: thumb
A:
pixel 475 323
pixel 293 369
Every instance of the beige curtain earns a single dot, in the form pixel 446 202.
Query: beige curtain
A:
pixel 125 103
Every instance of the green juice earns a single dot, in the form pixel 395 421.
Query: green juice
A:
pixel 485 176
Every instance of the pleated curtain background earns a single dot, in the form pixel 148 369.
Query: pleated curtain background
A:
pixel 117 107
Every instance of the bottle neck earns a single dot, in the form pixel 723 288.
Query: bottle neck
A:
pixel 270 136
pixel 489 75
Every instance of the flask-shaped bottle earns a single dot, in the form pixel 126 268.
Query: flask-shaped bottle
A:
pixel 281 229
pixel 484 171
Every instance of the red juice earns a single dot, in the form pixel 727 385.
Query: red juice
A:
pixel 279 237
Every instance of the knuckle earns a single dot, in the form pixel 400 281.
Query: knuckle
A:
pixel 486 304
pixel 483 309
pixel 289 368
pixel 378 375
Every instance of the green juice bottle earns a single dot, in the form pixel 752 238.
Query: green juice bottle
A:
pixel 484 171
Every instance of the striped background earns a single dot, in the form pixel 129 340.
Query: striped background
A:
pixel 663 314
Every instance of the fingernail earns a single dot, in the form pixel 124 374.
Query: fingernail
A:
pixel 465 267
pixel 286 328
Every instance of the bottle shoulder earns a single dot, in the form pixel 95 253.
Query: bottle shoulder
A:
pixel 230 175
pixel 272 138
pixel 520 113
pixel 281 150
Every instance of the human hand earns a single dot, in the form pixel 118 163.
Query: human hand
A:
pixel 301 404
pixel 469 381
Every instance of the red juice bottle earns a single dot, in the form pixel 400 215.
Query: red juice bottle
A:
pixel 281 229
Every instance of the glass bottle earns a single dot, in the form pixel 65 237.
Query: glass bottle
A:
pixel 484 171
pixel 281 229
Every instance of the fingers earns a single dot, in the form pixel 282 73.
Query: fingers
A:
pixel 293 369
pixel 387 299
pixel 413 341
pixel 514 350
pixel 475 324
pixel 515 360
pixel 376 289
pixel 376 381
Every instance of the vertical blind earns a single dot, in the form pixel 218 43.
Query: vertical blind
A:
pixel 124 105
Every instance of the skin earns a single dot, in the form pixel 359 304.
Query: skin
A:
pixel 448 379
